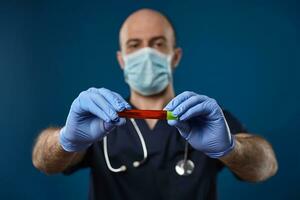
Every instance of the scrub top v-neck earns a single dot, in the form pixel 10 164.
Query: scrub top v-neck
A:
pixel 156 178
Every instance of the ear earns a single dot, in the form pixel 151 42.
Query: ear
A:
pixel 120 59
pixel 176 58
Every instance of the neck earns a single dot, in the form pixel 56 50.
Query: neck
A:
pixel 154 102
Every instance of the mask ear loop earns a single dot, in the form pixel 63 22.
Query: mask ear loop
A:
pixel 169 60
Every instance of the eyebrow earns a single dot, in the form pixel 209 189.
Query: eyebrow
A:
pixel 158 38
pixel 132 40
pixel 151 40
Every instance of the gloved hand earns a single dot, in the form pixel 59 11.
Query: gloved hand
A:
pixel 92 115
pixel 202 123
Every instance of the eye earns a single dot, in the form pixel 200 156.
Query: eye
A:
pixel 133 45
pixel 159 44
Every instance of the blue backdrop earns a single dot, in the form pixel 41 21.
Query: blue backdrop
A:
pixel 243 53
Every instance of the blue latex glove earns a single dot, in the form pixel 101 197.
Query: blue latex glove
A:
pixel 92 115
pixel 202 123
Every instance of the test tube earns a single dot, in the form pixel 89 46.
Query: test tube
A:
pixel 148 114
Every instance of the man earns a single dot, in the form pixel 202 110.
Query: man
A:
pixel 148 55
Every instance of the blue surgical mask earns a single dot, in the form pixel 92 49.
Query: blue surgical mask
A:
pixel 147 71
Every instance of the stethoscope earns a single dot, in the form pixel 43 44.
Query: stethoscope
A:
pixel 183 167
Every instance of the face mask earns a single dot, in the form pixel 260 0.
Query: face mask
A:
pixel 147 71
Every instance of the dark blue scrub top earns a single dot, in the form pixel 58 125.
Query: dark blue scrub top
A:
pixel 156 178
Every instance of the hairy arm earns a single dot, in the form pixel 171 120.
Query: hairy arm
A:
pixel 49 157
pixel 252 159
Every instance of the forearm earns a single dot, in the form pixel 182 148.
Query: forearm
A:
pixel 49 157
pixel 252 159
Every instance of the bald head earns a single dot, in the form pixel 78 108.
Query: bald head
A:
pixel 146 27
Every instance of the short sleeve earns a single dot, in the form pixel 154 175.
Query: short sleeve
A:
pixel 235 127
pixel 84 163
pixel 234 124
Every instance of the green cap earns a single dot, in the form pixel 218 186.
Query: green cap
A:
pixel 170 116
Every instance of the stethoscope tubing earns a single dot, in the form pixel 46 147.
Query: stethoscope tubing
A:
pixel 183 167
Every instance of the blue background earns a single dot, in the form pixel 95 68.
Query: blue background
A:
pixel 245 54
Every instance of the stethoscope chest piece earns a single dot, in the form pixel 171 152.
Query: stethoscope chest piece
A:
pixel 184 167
